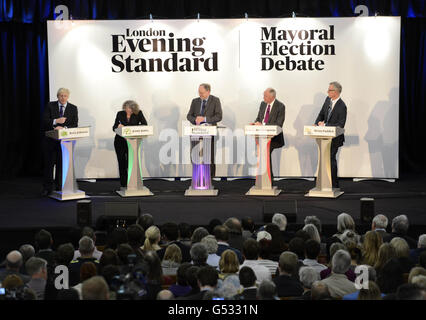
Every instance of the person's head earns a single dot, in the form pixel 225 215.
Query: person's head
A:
pixel 198 234
pixel 86 246
pixel 312 249
pixel 204 91
pixel 345 222
pixel 280 220
pixel 165 295
pixel 131 107
pixel 27 251
pixel 401 247
pixel 247 224
pixel 108 257
pixel 372 242
pixel 191 276
pixel 269 95
pixel 297 246
pixel 419 281
pixel 152 237
pixel 391 276
pixel 372 293
pixel 315 221
pixel 135 234
pixel 12 281
pixel 155 271
pixel 145 221
pixel 221 233
pixel 173 253
pixel 185 231
pixel 416 271
pixel 14 260
pixel 199 254
pixel 302 234
pixel 228 262
pixel 247 277
pixel 420 244
pixel 288 263
pixel 336 247
pixel 181 278
pixel 68 294
pixel 109 272
pixel 355 252
pixel 251 249
pixel 43 239
pixel 313 232
pixel 65 254
pixel 36 268
pixel 409 291
pixel 63 95
pixel 87 270
pixel 265 248
pixel 341 262
pixel 422 259
pixel 211 243
pixel 400 224
pixel 234 225
pixel 267 290
pixel 334 90
pixel 213 223
pixel 207 277
pixel 261 235
pixel 380 221
pixel 386 252
pixel 308 276
pixel 319 291
pixel 170 231
pixel 123 252
pixel 95 288
pixel 230 287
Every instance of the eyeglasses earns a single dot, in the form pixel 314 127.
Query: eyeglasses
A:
pixel 330 90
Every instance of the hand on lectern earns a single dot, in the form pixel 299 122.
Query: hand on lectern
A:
pixel 199 119
pixel 120 126
pixel 61 120
pixel 58 128
pixel 257 123
pixel 321 123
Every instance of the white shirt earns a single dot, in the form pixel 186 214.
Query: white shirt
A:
pixel 261 272
pixel 96 254
pixel 314 264
pixel 213 260
pixel 333 103
pixel 266 109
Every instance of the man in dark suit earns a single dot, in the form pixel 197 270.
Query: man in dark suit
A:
pixel 57 115
pixel 205 110
pixel 272 112
pixel 207 281
pixel 248 281
pixel 333 113
pixel 287 285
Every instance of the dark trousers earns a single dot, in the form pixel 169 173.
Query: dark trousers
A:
pixel 122 152
pixel 212 163
pixel 333 154
pixel 52 155
pixel 270 160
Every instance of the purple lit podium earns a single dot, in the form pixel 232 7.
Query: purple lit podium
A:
pixel 134 136
pixel 263 135
pixel 68 138
pixel 201 139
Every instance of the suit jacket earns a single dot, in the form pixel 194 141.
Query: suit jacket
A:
pixel 212 110
pixel 276 118
pixel 247 294
pixel 337 119
pixel 135 120
pixel 51 112
pixel 288 286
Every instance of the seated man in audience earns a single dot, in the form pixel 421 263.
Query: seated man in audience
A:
pixel 281 221
pixel 267 291
pixel 95 288
pixel 338 283
pixel 37 270
pixel 248 281
pixel 287 285
pixel 247 224
pixel 207 281
pixel 86 248
pixel 181 287
pixel 307 276
pixel 251 255
pixel 421 247
pixel 27 252
pixel 235 233
pixel 199 255
pixel 379 224
pixel 87 231
pixel 312 250
pixel 265 240
pixel 221 234
pixel 13 265
pixel 400 227
pixel 170 234
pixel 44 242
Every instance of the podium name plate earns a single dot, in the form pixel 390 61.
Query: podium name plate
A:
pixel 253 130
pixel 322 131
pixel 200 131
pixel 135 131
pixel 69 133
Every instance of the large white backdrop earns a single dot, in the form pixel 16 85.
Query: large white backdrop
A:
pixel 361 53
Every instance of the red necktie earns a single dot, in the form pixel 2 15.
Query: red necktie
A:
pixel 267 114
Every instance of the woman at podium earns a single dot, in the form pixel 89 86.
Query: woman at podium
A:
pixel 129 116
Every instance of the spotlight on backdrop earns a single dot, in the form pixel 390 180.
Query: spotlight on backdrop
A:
pixel 367 210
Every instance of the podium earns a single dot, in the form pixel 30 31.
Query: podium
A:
pixel 323 136
pixel 263 135
pixel 201 141
pixel 68 137
pixel 134 136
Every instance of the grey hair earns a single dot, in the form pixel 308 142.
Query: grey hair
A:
pixel 335 247
pixel 420 281
pixel 199 234
pixel 27 251
pixel 165 295
pixel 337 86
pixel 341 262
pixel 400 224
pixel 206 86
pixel 63 90
pixel 14 259
pixel 230 287
pixel 402 249
pixel 380 221
pixel 344 222
pixel 422 241
pixel 86 245
pixel 273 92
pixel 233 224
pixel 280 220
pixel 35 265
pixel 211 243
pixel 315 221
pixel 132 105
pixel 95 288
pixel 308 276
pixel 267 290
pixel 313 232
pixel 199 253
pixel 349 236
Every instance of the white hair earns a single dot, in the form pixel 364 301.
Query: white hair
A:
pixel 280 220
pixel 400 224
pixel 344 222
pixel 422 241
pixel 230 287
pixel 420 281
pixel 63 90
pixel 313 232
pixel 380 221
pixel 308 276
pixel 341 262
pixel 211 243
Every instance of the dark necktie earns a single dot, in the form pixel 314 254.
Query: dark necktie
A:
pixel 329 111
pixel 61 111
pixel 203 106
pixel 267 114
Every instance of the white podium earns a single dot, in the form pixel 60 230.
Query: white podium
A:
pixel 134 136
pixel 323 136
pixel 201 158
pixel 68 138
pixel 263 135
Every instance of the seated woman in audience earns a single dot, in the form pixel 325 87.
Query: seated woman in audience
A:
pixel 356 254
pixel 211 244
pixel 372 293
pixel 152 239
pixel 416 271
pixel 171 260
pixel 402 251
pixel 386 252
pixel 314 234
pixel 391 277
pixel 370 252
pixel 345 222
pixel 228 264
pixel 181 287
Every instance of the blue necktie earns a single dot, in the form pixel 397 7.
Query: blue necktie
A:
pixel 203 105
pixel 61 111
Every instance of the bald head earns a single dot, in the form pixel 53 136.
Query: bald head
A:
pixel 14 260
pixel 165 295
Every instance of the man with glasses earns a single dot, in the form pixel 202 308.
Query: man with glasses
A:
pixel 333 114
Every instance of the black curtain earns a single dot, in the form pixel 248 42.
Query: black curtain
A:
pixel 24 88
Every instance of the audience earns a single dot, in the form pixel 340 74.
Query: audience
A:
pixel 170 232
pixel 248 227
pixel 286 284
pixel 199 255
pixel 235 233
pixel 265 255
pixel 402 252
pixel 308 276
pixel 210 243
pixel 221 234
pixel 414 253
pixel 248 282
pixel 267 291
pixel 88 232
pixel 251 255
pixel 312 250
pixel 198 234
pixel 86 248
pixel 171 260
pixel 372 242
pixel 181 287
pixel 152 239
pixel 400 227
pixel 228 264
pixel 37 270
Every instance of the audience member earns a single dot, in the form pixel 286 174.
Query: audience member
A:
pixel 248 282
pixel 210 243
pixel 228 264
pixel 400 227
pixel 221 234
pixel 287 285
pixel 171 260
pixel 251 255
pixel 88 232
pixel 235 233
